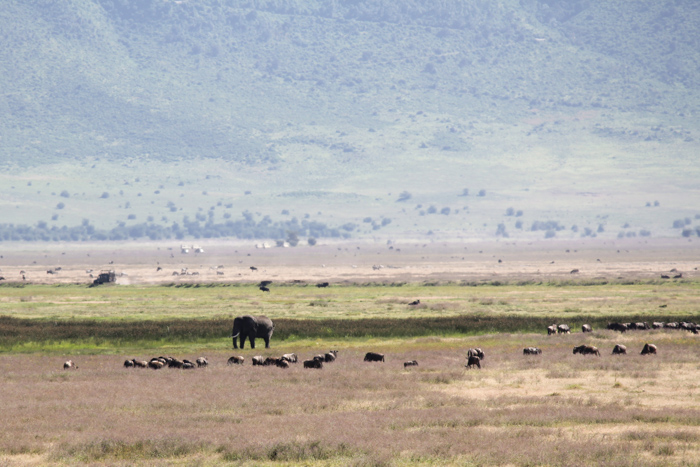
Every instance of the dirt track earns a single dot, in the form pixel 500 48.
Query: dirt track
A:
pixel 228 261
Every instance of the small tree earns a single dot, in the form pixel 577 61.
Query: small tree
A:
pixel 65 194
pixel 104 195
pixel 465 192
pixel 510 212
pixel 311 241
pixel 482 193
pixel 292 238
pixel 404 196
pixel 60 206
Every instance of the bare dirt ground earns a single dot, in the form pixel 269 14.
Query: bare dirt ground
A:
pixel 351 262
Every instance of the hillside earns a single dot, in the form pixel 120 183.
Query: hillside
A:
pixel 580 112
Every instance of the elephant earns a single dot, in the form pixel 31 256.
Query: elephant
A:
pixel 251 327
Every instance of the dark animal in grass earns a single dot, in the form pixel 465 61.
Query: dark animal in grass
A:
pixel 140 363
pixel 290 357
pixel 155 364
pixel 320 357
pixel 322 284
pixel 250 327
pixel 586 328
pixel 265 283
pixel 619 349
pixel 620 327
pixel 664 276
pixel 551 329
pixel 574 271
pixel 657 325
pixel 159 269
pixel 202 362
pixel 271 361
pixel 473 361
pixel 671 325
pixel 69 364
pixel 649 349
pixel 175 363
pixel 253 268
pixel 415 302
pixel 329 357
pixel 258 360
pixel 188 365
pixel 128 363
pixel 563 329
pixel 476 352
pixel 587 350
pixel 411 363
pixel 235 360
pixel 282 363
pixel 313 364
pixel 264 289
pixel 678 276
pixel 532 351
pixel 374 357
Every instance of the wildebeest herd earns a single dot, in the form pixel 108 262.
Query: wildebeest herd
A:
pixel 682 326
pixel 156 363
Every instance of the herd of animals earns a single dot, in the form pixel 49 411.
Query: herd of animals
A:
pixel 250 327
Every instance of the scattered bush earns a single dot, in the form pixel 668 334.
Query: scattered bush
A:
pixel 60 206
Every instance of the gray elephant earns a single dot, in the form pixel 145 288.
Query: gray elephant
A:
pixel 251 327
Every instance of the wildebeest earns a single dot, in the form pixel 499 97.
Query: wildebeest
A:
pixel 621 327
pixel 329 357
pixel 282 363
pixel 140 363
pixel 322 284
pixel 264 289
pixel 253 268
pixel 186 365
pixel 128 363
pixel 69 364
pixel 574 271
pixel 678 276
pixel 415 302
pixel 532 351
pixel 258 360
pixel 586 328
pixel 269 361
pixel 563 329
pixel 202 361
pixel 175 363
pixel 638 326
pixel 290 357
pixel 473 361
pixel 159 269
pixel 374 357
pixel 587 350
pixel 313 364
pixel 649 349
pixel 671 325
pixel 235 360
pixel 619 349
pixel 411 363
pixel 155 364
pixel 657 325
pixel 476 352
pixel 551 329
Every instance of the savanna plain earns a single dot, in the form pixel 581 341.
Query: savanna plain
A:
pixel 556 408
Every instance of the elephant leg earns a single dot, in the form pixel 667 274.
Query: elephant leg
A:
pixel 252 341
pixel 235 344
pixel 242 340
pixel 267 342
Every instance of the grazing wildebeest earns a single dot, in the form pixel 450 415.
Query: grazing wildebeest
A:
pixel 235 360
pixel 574 271
pixel 322 284
pixel 265 283
pixel 551 329
pixel 587 350
pixel 473 361
pixel 586 328
pixel 159 269
pixel 290 357
pixel 155 364
pixel 671 325
pixel 563 329
pixel 128 363
pixel 476 352
pixel 69 364
pixel 202 361
pixel 282 363
pixel 411 363
pixel 313 364
pixel 329 357
pixel 619 349
pixel 175 363
pixel 140 363
pixel 253 268
pixel 657 325
pixel 258 360
pixel 374 357
pixel 621 327
pixel 186 365
pixel 664 276
pixel 649 349
pixel 678 276
pixel 532 351
pixel 264 289
pixel 415 302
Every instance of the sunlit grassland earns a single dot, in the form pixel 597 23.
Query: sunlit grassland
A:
pixel 356 301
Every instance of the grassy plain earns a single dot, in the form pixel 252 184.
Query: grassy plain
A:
pixel 553 409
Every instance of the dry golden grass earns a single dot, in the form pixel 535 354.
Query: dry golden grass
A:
pixel 554 409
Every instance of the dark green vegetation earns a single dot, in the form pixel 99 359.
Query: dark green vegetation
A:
pixel 14 333
pixel 137 113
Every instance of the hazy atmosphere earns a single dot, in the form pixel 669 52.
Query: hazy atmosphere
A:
pixel 374 120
